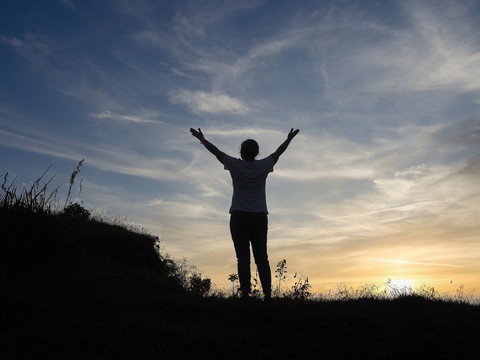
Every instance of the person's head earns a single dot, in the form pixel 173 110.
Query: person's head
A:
pixel 249 150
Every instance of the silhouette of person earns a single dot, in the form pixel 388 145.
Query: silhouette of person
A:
pixel 248 211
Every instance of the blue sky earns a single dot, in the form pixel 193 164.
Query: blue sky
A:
pixel 381 182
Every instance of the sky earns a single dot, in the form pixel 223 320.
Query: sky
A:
pixel 381 182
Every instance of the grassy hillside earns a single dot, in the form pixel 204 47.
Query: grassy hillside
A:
pixel 73 287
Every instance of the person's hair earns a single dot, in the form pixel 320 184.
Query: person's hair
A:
pixel 249 149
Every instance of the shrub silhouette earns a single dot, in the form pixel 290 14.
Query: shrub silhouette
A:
pixel 76 211
pixel 199 286
pixel 301 288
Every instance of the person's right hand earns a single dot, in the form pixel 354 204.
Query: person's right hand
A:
pixel 198 134
pixel 291 134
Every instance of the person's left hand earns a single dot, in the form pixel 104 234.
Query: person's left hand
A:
pixel 291 134
pixel 198 134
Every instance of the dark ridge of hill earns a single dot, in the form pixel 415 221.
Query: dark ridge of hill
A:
pixel 55 245
pixel 73 288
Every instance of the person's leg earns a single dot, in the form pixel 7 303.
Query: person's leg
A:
pixel 259 246
pixel 241 242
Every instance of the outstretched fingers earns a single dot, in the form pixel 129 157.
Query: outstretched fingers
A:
pixel 293 133
pixel 198 134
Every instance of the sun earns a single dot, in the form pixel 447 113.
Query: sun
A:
pixel 399 287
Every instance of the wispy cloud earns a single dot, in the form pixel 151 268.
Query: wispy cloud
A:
pixel 430 54
pixel 416 263
pixel 32 47
pixel 116 158
pixel 209 102
pixel 126 118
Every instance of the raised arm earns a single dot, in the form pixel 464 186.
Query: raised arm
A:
pixel 281 149
pixel 210 147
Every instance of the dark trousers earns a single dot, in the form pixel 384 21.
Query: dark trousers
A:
pixel 246 228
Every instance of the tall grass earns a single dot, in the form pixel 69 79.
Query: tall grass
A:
pixel 72 180
pixel 35 199
pixel 386 292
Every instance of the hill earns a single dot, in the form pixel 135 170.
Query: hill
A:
pixel 78 288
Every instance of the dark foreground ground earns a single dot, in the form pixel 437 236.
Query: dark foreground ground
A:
pixel 78 289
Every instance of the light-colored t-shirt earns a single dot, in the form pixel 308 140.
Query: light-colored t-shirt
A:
pixel 248 180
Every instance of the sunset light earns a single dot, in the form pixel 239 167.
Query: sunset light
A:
pixel 380 186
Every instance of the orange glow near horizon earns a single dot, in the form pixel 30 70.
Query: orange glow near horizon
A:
pixel 331 268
